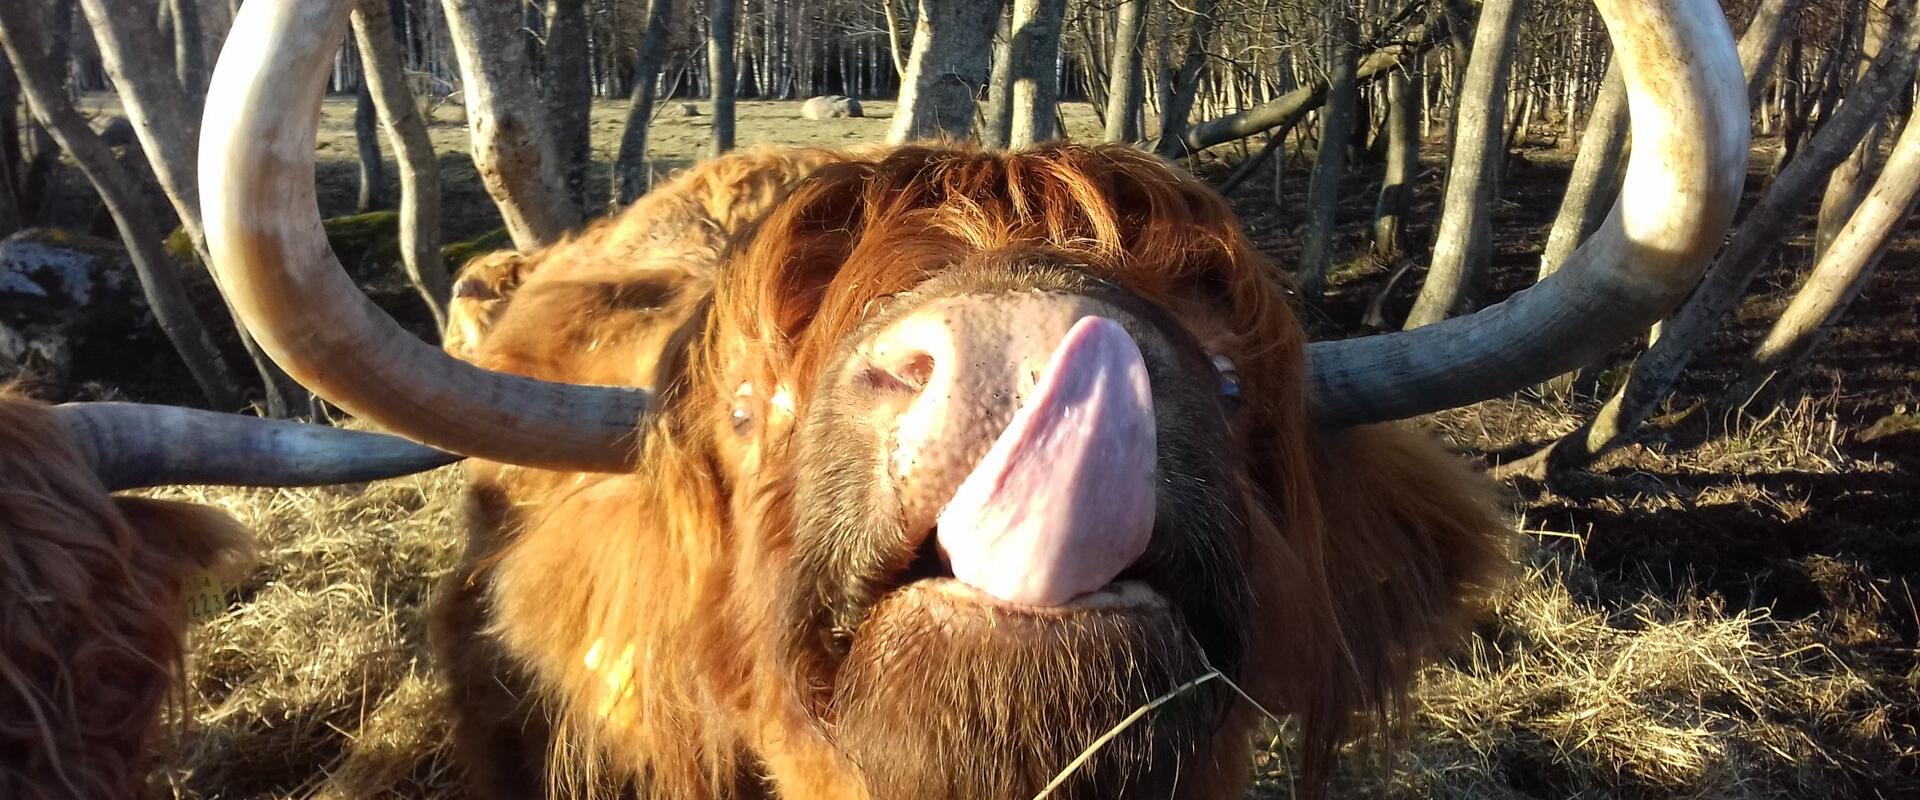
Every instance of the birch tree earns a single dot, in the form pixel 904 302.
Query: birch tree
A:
pixel 1464 241
pixel 372 171
pixel 513 148
pixel 419 166
pixel 1682 335
pixel 1330 165
pixel 1393 45
pixel 1849 182
pixel 24 41
pixel 1595 179
pixel 189 53
pixel 1403 165
pixel 630 163
pixel 947 65
pixel 1837 279
pixel 164 120
pixel 1125 90
pixel 720 62
pixel 11 218
pixel 1182 82
pixel 567 89
pixel 996 119
pixel 1035 65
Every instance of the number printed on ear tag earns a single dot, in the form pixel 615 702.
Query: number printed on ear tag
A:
pixel 206 596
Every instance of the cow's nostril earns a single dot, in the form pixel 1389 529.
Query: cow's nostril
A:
pixel 917 371
pixel 908 375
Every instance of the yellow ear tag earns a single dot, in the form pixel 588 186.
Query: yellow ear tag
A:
pixel 206 596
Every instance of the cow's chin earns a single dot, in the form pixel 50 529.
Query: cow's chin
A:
pixel 947 693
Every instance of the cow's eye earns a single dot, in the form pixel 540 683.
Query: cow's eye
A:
pixel 1229 380
pixel 742 415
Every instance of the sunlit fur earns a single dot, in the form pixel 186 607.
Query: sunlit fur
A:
pixel 686 221
pixel 92 614
pixel 640 615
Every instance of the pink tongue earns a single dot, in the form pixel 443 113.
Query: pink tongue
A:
pixel 1065 498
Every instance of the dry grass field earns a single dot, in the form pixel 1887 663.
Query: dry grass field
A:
pixel 1721 611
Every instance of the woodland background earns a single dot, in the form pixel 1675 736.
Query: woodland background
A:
pixel 1719 524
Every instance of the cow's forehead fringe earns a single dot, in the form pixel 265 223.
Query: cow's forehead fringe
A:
pixel 871 225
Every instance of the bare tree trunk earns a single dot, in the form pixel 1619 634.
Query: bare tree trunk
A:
pixel 11 159
pixel 1093 56
pixel 366 136
pixel 720 63
pixel 1287 109
pixel 1403 166
pixel 1330 164
pixel 1596 173
pixel 630 164
pixel 1162 11
pixel 1522 128
pixel 1849 182
pixel 1837 66
pixel 1794 108
pixel 1591 190
pixel 215 21
pixel 948 64
pixel 141 65
pixel 39 192
pixel 1465 238
pixel 386 79
pixel 1597 169
pixel 1760 45
pixel 1036 71
pixel 1839 277
pixel 997 121
pixel 1460 32
pixel 1184 83
pixel 162 22
pixel 1273 151
pixel 23 40
pixel 1845 188
pixel 1125 89
pixel 1682 335
pixel 169 132
pixel 513 149
pixel 893 39
pixel 567 86
pixel 189 53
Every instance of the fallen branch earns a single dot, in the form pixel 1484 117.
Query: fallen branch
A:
pixel 1288 109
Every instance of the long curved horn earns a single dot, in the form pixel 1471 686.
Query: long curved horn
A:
pixel 268 246
pixel 134 446
pixel 1688 104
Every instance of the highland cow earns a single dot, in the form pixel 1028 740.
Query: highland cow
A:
pixel 92 605
pixel 743 356
pixel 925 477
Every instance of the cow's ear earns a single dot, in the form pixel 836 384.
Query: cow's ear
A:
pixel 481 293
pixel 184 538
pixel 1414 537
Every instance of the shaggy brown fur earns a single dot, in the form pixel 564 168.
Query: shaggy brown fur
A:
pixel 679 229
pixel 669 625
pixel 92 614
